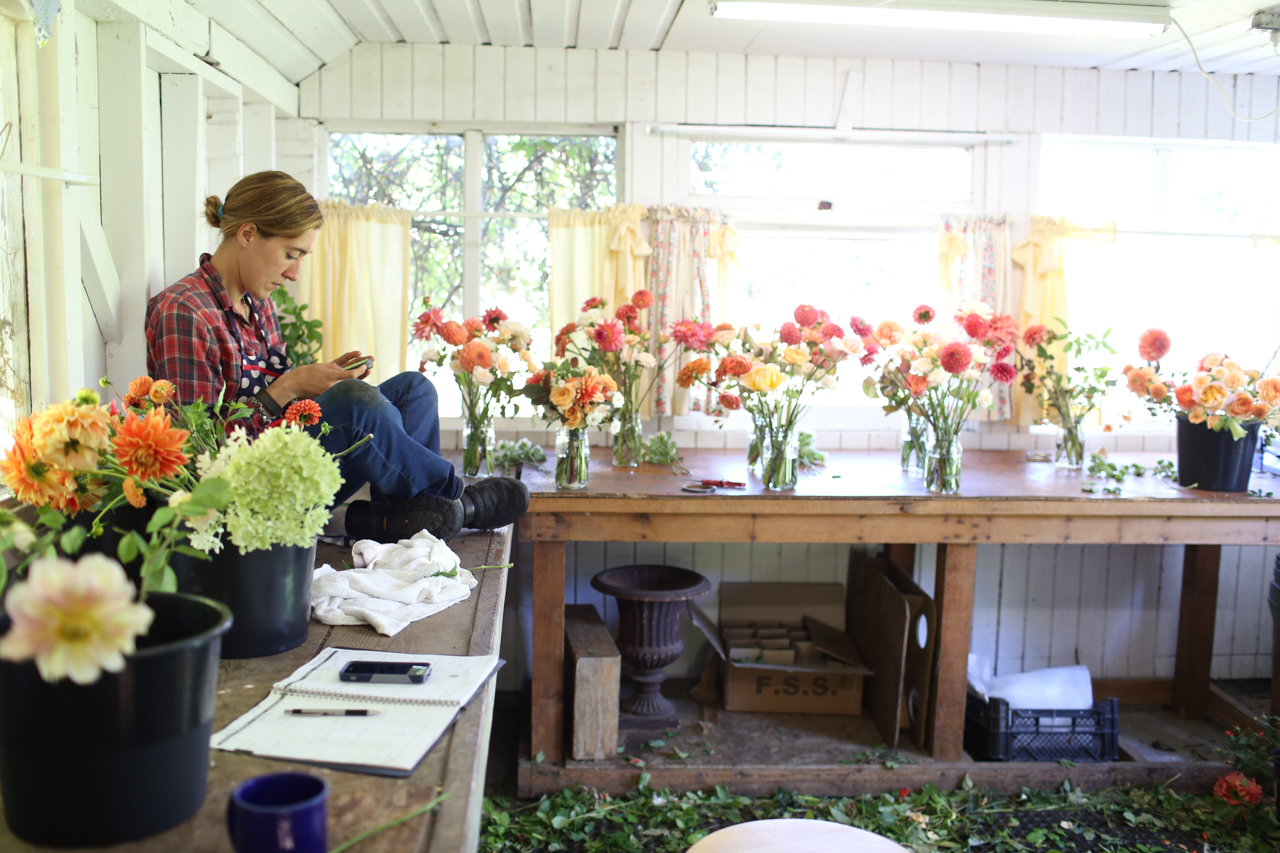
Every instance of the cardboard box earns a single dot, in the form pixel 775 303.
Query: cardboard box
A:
pixel 766 666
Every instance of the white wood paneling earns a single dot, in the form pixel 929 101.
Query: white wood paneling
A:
pixel 962 111
pixel 1243 105
pixel 877 93
pixel 366 79
pixel 1020 99
pixel 259 142
pixel 822 91
pixel 642 85
pixel 993 84
pixel 1137 103
pixel 789 92
pixel 490 86
pixel 503 22
pixel 672 86
pixel 1192 106
pixel 521 91
pixel 580 85
pixel 1219 124
pixel 335 88
pixel 1048 97
pixel 731 89
pixel 1166 95
pixel 459 76
pixel 1266 94
pixel 397 81
pixel 428 82
pixel 611 85
pixel 549 95
pixel 700 90
pixel 762 77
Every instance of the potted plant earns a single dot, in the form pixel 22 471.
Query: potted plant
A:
pixel 939 377
pixel 483 354
pixel 1219 407
pixel 1066 397
pixel 106 701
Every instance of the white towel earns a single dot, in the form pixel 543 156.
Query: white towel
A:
pixel 391 586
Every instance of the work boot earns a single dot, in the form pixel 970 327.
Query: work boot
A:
pixel 392 520
pixel 494 502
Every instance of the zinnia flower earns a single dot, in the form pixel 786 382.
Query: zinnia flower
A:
pixel 1036 335
pixel 141 386
pixel 923 314
pixel 975 326
pixel 806 315
pixel 691 371
pixel 955 357
pixel 1004 372
pixel 859 326
pixel 32 480
pixel 1004 352
pixel 1261 411
pixel 723 334
pixel 453 333
pixel 1238 790
pixel 642 299
pixel 162 391
pixel 132 401
pixel 69 436
pixel 428 323
pixel 888 333
pixel 562 338
pixel 593 302
pixel 628 314
pixel 732 402
pixel 608 336
pixel 493 317
pixel 475 354
pixel 150 448
pixel 75 619
pixel 1140 379
pixel 303 413
pixel 1153 345
pixel 133 493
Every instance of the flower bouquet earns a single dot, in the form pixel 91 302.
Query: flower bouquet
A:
pixel 1219 408
pixel 938 377
pixel 483 353
pixel 575 397
pixel 1065 397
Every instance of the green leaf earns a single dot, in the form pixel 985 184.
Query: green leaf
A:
pixel 168 580
pixel 127 550
pixel 644 779
pixel 71 541
pixel 192 552
pixel 538 759
pixel 162 516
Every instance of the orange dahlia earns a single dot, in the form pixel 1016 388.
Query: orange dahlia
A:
pixel 453 333
pixel 150 448
pixel 475 354
pixel 133 493
pixel 303 413
pixel 32 479
pixel 141 386
pixel 77 495
pixel 691 371
pixel 162 392
pixel 71 436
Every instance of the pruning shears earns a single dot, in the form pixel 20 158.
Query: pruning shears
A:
pixel 724 484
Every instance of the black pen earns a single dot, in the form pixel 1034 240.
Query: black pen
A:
pixel 322 712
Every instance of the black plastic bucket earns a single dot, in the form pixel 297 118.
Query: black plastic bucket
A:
pixel 125 757
pixel 1215 461
pixel 268 591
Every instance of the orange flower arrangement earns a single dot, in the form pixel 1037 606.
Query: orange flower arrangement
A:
pixel 150 448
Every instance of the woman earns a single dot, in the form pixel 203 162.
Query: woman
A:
pixel 215 335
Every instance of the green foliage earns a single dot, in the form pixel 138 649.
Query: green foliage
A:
pixel 1128 820
pixel 302 337
pixel 1067 396
pixel 508 454
pixel 810 455
pixel 1251 748
pixel 660 449
pixel 1111 473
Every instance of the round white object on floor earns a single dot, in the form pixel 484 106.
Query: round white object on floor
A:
pixel 794 836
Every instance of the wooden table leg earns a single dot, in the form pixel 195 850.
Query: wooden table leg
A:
pixel 548 651
pixel 953 597
pixel 1196 613
pixel 902 556
pixel 1275 671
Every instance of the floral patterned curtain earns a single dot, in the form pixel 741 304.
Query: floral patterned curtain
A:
pixel 973 257
pixel 681 288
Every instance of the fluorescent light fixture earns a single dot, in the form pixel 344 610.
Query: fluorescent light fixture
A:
pixel 1050 17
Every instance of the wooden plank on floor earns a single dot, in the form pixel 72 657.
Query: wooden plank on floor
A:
pixel 1224 708
pixel 1196 616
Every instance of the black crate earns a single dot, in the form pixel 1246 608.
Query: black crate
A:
pixel 995 732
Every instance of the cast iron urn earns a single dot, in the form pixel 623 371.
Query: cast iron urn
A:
pixel 650 601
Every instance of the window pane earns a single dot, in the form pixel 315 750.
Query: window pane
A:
pixel 1223 190
pixel 1093 184
pixel 857 174
pixel 878 279
pixel 532 175
pixel 15 370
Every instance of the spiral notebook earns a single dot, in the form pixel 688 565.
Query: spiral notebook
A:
pixel 413 716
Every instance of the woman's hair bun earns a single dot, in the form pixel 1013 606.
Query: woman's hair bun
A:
pixel 213 211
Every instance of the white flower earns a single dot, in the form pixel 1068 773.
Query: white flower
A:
pixel 590 317
pixel 596 416
pixel 828 381
pixel 922 366
pixel 179 497
pixel 982 309
pixel 853 344
pixel 985 399
pixel 615 426
pixel 937 377
pixel 431 354
pixel 971 375
pixel 979 353
pixel 617 400
pixel 646 359
pixel 480 375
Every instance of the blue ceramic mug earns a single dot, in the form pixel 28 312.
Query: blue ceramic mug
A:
pixel 279 812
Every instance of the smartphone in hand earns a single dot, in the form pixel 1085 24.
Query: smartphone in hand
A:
pixel 359 364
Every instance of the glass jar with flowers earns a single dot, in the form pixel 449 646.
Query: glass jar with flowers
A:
pixel 941 375
pixel 484 354
pixel 1219 406
pixel 1066 394
pixel 576 399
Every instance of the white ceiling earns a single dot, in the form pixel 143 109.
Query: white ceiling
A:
pixel 298 36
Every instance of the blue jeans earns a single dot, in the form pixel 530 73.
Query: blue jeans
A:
pixel 403 458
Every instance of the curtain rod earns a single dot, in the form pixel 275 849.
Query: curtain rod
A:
pixel 73 178
pixel 750 133
pixel 484 214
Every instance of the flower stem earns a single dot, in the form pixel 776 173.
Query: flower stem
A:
pixel 347 845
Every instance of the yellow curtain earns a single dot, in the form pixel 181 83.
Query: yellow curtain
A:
pixel 1260 240
pixel 723 246
pixel 1044 286
pixel 951 248
pixel 595 253
pixel 357 284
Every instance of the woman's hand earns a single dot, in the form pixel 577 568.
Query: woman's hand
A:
pixel 311 380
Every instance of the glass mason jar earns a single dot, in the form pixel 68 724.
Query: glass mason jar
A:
pixel 1069 446
pixel 755 448
pixel 942 465
pixel 627 440
pixel 915 442
pixel 478 444
pixel 781 460
pixel 573 452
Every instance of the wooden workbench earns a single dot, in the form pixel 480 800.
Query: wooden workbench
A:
pixel 358 802
pixel 864 497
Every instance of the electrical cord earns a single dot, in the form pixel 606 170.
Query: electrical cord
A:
pixel 1275 44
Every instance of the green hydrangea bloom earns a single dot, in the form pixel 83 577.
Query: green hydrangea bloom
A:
pixel 282 485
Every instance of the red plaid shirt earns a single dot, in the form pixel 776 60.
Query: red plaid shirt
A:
pixel 190 340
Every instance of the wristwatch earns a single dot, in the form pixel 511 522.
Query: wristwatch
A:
pixel 267 405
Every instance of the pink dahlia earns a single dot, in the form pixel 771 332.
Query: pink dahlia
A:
pixel 1004 352
pixel 975 326
pixel 823 317
pixel 691 334
pixel 1035 335
pixel 428 323
pixel 1002 329
pixel 806 315
pixel 923 314
pixel 593 302
pixel 628 314
pixel 831 330
pixel 642 299
pixel 868 358
pixel 493 317
pixel 1153 345
pixel 955 357
pixel 860 327
pixel 1004 372
pixel 608 335
pixel 789 334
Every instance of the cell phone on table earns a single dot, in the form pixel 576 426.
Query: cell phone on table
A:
pixel 378 672
pixel 356 365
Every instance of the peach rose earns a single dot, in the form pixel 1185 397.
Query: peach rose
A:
pixel 917 384
pixel 574 418
pixel 1211 361
pixel 1269 390
pixel 563 395
pixel 1261 411
pixel 1235 379
pixel 1199 381
pixel 1197 415
pixel 795 355
pixel 1241 406
pixel 1213 421
pixel 1185 395
pixel 1213 395
pixel 888 333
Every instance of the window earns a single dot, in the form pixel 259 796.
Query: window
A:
pixel 519 179
pixel 1183 259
